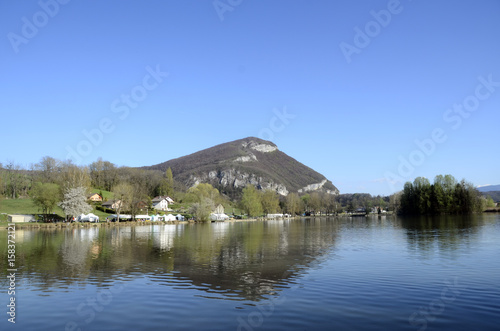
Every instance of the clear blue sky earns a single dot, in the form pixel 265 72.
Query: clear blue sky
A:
pixel 356 102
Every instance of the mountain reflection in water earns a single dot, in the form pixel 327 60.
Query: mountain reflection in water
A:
pixel 240 260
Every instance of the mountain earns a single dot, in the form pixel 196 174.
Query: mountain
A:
pixel 489 188
pixel 231 166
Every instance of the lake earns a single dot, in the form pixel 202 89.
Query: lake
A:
pixel 375 273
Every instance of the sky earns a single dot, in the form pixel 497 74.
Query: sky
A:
pixel 371 94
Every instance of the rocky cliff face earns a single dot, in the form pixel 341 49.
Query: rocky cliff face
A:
pixel 232 166
pixel 236 179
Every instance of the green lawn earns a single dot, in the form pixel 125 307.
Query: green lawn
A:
pixel 106 195
pixel 26 206
pixel 23 206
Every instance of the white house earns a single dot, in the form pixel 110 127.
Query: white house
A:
pixel 218 214
pixel 161 203
pixel 275 215
pixel 218 217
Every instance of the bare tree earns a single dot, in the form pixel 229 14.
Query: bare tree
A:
pixel 124 193
pixel 103 174
pixel 74 176
pixel 14 178
pixel 49 169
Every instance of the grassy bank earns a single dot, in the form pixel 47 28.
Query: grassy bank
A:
pixel 27 206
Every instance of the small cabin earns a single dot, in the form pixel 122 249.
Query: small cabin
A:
pixel 95 197
pixel 16 218
pixel 112 204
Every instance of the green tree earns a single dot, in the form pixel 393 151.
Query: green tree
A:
pixel 446 195
pixel 395 202
pixel 46 196
pixel 203 190
pixel 270 202
pixel 251 201
pixel 293 203
pixel 422 189
pixel 204 197
pixel 332 203
pixel 467 198
pixel 201 210
pixel 489 203
pixel 438 196
pixel 408 205
pixel 449 185
pixel 1 188
pixel 305 200
pixel 315 202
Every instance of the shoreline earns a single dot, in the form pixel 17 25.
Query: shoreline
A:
pixel 36 225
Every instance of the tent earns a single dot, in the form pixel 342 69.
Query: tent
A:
pixel 88 218
pixel 170 217
pixel 179 217
pixel 123 218
pixel 142 218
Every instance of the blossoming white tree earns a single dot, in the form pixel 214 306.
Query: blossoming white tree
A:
pixel 75 202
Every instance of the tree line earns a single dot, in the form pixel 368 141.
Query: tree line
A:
pixel 445 196
pixel 52 183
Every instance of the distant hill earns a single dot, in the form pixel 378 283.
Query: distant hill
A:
pixel 233 165
pixel 489 188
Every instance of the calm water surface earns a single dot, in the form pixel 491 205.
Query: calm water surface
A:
pixel 378 273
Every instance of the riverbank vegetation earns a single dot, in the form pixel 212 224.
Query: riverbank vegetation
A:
pixel 445 196
pixel 53 187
